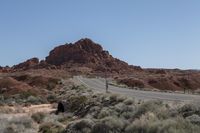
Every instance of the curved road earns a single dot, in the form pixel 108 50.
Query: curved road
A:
pixel 99 85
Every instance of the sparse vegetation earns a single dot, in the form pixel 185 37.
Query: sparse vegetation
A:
pixel 17 125
pixel 51 128
pixel 89 112
pixel 112 113
pixel 38 117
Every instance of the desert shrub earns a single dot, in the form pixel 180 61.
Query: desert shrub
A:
pixel 65 118
pixel 149 123
pixel 189 109
pixel 76 102
pixel 33 100
pixel 38 117
pixel 109 125
pixel 113 122
pixel 19 125
pixel 129 101
pixel 101 128
pixel 79 87
pixel 113 97
pixel 51 128
pixel 52 98
pixel 94 112
pixel 119 107
pixel 52 83
pixel 140 125
pixel 25 121
pixel 128 112
pixel 163 113
pixel 150 106
pixel 105 112
pixel 82 126
pixel 26 94
pixel 127 115
pixel 121 98
pixel 195 119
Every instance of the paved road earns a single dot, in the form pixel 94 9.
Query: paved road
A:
pixel 99 85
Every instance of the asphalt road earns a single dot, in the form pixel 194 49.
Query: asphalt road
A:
pixel 99 85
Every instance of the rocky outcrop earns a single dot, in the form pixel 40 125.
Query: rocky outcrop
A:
pixel 5 69
pixel 86 53
pixel 27 64
pixel 83 51
pixel 86 57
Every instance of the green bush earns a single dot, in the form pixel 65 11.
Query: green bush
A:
pixel 150 124
pixel 38 117
pixel 51 128
pixel 113 97
pixel 82 126
pixel 101 128
pixel 34 100
pixel 52 98
pixel 76 102
pixel 129 101
pixel 150 106
pixel 189 109
pixel 17 125
pixel 26 94
pixel 105 112
pixel 109 125
pixel 195 119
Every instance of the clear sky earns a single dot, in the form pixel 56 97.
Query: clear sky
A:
pixel 149 33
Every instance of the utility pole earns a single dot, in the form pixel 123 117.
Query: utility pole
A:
pixel 106 85
pixel 188 78
pixel 106 81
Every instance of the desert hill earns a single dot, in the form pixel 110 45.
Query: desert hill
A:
pixel 86 53
pixel 89 58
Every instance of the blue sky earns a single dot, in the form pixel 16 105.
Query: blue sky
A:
pixel 149 33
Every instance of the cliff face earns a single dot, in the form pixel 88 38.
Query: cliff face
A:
pixel 87 53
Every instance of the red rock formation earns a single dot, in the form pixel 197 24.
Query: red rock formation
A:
pixel 5 69
pixel 27 64
pixel 87 57
pixel 87 53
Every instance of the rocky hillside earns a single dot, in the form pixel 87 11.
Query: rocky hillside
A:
pixel 86 53
pixel 89 58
